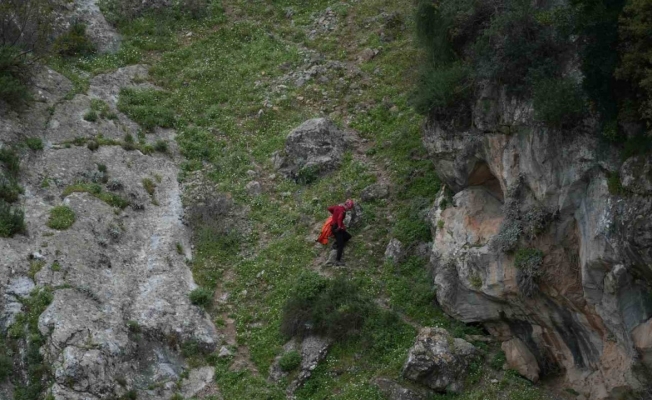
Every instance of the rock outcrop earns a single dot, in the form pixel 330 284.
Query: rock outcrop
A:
pixel 312 149
pixel 439 361
pixel 533 245
pixel 120 310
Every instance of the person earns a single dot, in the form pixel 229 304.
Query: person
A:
pixel 338 229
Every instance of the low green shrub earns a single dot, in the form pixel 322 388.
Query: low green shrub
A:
pixel 14 75
pixel 559 102
pixel 61 218
pixel 94 189
pixel 334 308
pixel 290 361
pixel 9 189
pixel 133 326
pixel 528 261
pixel 201 297
pixel 74 42
pixel 614 184
pixel 161 146
pixel 34 143
pixel 10 160
pixel 12 220
pixel 150 186
pixel 440 87
pixel 90 116
pixel 498 361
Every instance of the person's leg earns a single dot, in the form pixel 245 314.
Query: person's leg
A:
pixel 339 237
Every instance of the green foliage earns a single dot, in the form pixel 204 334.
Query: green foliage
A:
pixel 161 146
pixel 6 362
pixel 528 261
pixel 94 189
pixel 150 186
pixel 440 224
pixel 55 267
pixel 10 160
pixel 442 86
pixel 74 42
pixel 636 51
pixel 34 268
pixel 12 220
pixel 614 184
pixel 61 218
pixel 201 296
pixel 130 395
pixel 498 361
pixel 334 308
pixel 14 75
pixel 90 116
pixel 34 143
pixel 518 47
pixel 149 108
pixel 559 102
pixel 179 248
pixel 290 361
pixel 133 326
pixel 308 175
pixel 38 373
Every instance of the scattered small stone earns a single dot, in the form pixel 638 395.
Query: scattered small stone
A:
pixel 254 188
pixel 224 352
pixel 251 173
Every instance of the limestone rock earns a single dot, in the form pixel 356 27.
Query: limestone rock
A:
pixel 642 337
pixel 312 149
pixel 545 190
pixel 636 175
pixel 375 192
pixel 119 272
pixel 521 359
pixel 393 391
pixel 394 251
pixel 439 361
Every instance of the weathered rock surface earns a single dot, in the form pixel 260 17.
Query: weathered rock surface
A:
pixel 439 361
pixel 313 350
pixel 394 391
pixel 521 359
pixel 117 268
pixel 584 304
pixel 394 251
pixel 375 192
pixel 314 148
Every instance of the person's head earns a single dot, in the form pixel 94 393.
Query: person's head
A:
pixel 348 204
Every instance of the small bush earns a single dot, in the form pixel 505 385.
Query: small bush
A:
pixel 61 218
pixel 290 361
pixel 9 189
pixel 440 224
pixel 34 143
pixel 90 116
pixel 440 87
pixel 161 146
pixel 150 186
pixel 498 361
pixel 74 42
pixel 559 102
pixel 334 308
pixel 615 185
pixel 508 236
pixel 102 168
pixel 12 220
pixel 528 261
pixel 201 297
pixel 96 190
pixel 92 145
pixel 307 175
pixel 129 143
pixel 10 160
pixel 56 267
pixel 14 76
pixel 179 248
pixel 133 326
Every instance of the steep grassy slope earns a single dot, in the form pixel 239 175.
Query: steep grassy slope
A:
pixel 232 92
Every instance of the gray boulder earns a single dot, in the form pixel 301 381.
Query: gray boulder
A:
pixel 439 361
pixel 375 192
pixel 394 251
pixel 314 148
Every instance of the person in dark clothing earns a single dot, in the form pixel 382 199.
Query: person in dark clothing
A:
pixel 338 228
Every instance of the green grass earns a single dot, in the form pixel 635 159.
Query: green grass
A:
pixel 61 218
pixel 96 190
pixel 34 143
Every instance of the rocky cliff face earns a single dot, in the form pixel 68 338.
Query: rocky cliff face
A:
pixel 120 310
pixel 533 246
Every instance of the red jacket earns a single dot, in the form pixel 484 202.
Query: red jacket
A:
pixel 339 212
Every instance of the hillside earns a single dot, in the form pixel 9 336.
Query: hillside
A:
pixel 174 165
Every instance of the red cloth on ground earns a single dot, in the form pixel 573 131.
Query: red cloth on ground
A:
pixel 326 231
